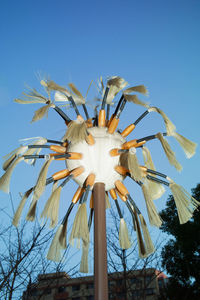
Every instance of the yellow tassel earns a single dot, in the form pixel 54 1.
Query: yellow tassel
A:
pixel 80 228
pixel 20 207
pixel 41 113
pixel 185 203
pixel 188 146
pixel 5 179
pixel 54 252
pixel 170 127
pixel 168 151
pixel 39 189
pixel 77 131
pixel 133 165
pixel 135 100
pixel 147 238
pixel 84 258
pixel 52 207
pixel 123 235
pixel 153 215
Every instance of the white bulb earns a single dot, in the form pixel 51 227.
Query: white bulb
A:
pixel 96 158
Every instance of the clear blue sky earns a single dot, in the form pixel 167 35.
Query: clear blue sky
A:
pixel 155 43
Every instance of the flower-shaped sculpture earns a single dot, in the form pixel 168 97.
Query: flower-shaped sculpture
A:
pixel 94 151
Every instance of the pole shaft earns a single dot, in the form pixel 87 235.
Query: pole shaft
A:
pixel 100 244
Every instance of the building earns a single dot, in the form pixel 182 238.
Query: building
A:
pixel 137 284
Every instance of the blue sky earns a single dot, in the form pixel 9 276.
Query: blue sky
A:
pixel 155 43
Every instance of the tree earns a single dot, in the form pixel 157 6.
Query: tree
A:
pixel 23 256
pixel 181 255
pixel 122 263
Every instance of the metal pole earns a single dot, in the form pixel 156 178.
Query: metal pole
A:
pixel 100 244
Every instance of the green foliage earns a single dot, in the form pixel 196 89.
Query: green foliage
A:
pixel 181 255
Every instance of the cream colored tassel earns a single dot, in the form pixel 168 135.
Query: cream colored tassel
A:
pixel 138 88
pixel 147 238
pixel 20 207
pixel 39 189
pixel 148 162
pixel 185 203
pixel 41 181
pixel 9 161
pixel 41 113
pixel 107 201
pixel 156 189
pixel 32 97
pixel 52 207
pixel 115 84
pixel 168 151
pixel 153 215
pixel 54 252
pixel 135 100
pixel 80 228
pixel 5 179
pixel 188 146
pixel 77 131
pixel 133 165
pixel 84 258
pixel 31 151
pixel 170 127
pixel 124 160
pixel 123 235
pixel 141 246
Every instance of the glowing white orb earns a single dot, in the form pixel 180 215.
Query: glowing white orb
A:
pixel 96 158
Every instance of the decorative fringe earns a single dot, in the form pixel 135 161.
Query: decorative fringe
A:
pixel 135 100
pixel 20 207
pixel 124 160
pixel 138 88
pixel 185 203
pixel 141 247
pixel 78 97
pixel 147 238
pixel 80 228
pixel 77 131
pixel 41 113
pixel 39 189
pixel 84 258
pixel 170 127
pixel 156 189
pixel 31 151
pixel 168 151
pixel 107 201
pixel 51 85
pixel 133 165
pixel 115 84
pixel 153 215
pixel 54 252
pixel 188 146
pixel 8 162
pixel 123 235
pixel 148 162
pixel 41 181
pixel 52 207
pixel 32 97
pixel 5 179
